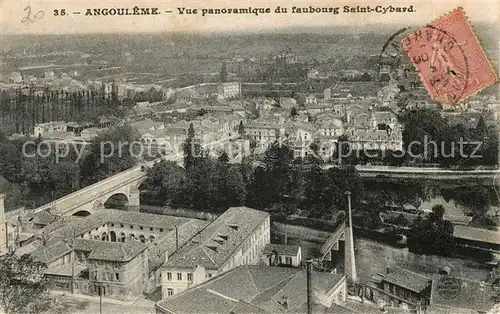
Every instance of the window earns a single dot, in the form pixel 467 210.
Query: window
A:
pixel 169 276
pixel 161 229
pixel 112 225
pixel 170 292
pixel 209 275
pixel 190 277
pixel 288 260
pixel 121 225
pixel 179 276
pixel 117 276
pixel 151 229
pixel 131 226
pixel 141 227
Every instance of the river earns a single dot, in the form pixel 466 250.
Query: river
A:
pixel 373 257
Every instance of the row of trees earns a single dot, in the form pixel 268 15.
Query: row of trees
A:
pixel 426 127
pixel 26 109
pixel 276 183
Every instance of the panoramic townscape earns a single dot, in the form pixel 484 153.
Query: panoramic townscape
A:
pixel 306 171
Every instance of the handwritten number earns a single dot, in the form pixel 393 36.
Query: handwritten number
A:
pixel 29 18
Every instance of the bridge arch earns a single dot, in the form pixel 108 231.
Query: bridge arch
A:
pixel 82 213
pixel 118 200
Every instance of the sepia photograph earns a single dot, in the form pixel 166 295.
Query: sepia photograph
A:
pixel 234 157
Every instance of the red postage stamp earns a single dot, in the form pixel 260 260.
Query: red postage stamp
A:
pixel 449 58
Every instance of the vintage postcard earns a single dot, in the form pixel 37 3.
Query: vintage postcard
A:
pixel 246 156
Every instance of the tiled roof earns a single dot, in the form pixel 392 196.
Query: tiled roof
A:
pixel 282 249
pixel 476 234
pixel 472 295
pixel 167 244
pixel 333 123
pixel 214 245
pixel 259 287
pixel 116 251
pixel 207 301
pixel 43 218
pixel 50 253
pixel 70 227
pixel 144 124
pixel 407 279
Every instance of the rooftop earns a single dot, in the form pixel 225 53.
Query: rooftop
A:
pixel 282 249
pixel 260 287
pixel 70 227
pixel 476 234
pixel 407 279
pixel 215 244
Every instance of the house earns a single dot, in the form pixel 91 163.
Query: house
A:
pixel 15 77
pixel 237 237
pixel 49 127
pixel 331 128
pixel 229 90
pixel 146 125
pixel 77 127
pixel 262 131
pixel 311 99
pixel 110 248
pixel 92 133
pixel 312 73
pixel 401 287
pixel 375 139
pixel 279 254
pixel 260 289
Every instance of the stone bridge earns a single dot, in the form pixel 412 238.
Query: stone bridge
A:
pixel 93 197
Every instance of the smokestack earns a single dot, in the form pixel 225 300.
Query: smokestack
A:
pixel 2 208
pixel 176 237
pixel 349 260
pixel 309 292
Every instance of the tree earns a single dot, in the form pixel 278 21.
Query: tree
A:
pixel 223 72
pixel 433 235
pixel 293 113
pixel 229 187
pixel 192 150
pixel 223 158
pixel 23 288
pixel 110 153
pixel 241 129
pixel 365 77
pixel 165 182
pixel 438 212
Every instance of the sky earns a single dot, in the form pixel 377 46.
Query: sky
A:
pixel 12 13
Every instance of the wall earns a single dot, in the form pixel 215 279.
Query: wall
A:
pixel 198 276
pixel 122 280
pixel 249 253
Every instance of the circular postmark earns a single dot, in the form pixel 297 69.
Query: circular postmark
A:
pixel 448 287
pixel 441 61
pixel 435 54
